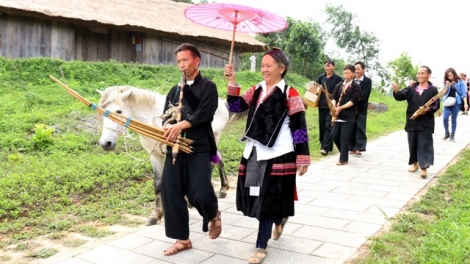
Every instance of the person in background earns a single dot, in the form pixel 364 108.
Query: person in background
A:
pixel 200 101
pixel 463 77
pixel 253 62
pixel 345 97
pixel 331 79
pixel 458 90
pixel 358 134
pixel 276 148
pixel 421 128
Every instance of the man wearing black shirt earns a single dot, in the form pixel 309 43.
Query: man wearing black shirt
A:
pixel 358 136
pixel 345 97
pixel 190 175
pixel 331 79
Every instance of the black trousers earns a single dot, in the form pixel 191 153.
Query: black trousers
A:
pixel 324 125
pixel 421 148
pixel 190 176
pixel 341 134
pixel 358 133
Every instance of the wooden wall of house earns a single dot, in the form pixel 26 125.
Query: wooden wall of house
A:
pixel 26 37
pixel 159 50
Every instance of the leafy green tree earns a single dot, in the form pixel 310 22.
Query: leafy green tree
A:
pixel 360 45
pixel 402 69
pixel 305 44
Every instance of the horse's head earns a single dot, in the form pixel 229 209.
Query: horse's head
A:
pixel 113 99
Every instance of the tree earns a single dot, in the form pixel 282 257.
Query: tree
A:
pixel 305 44
pixel 402 69
pixel 359 45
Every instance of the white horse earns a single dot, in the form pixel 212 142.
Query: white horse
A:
pixel 147 106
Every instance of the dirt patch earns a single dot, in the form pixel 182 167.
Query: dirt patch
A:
pixel 364 250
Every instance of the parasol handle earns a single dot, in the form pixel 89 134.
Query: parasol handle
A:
pixel 233 43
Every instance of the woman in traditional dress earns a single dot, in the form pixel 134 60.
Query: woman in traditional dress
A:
pixel 276 148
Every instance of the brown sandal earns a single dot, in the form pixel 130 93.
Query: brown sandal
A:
pixel 179 246
pixel 215 227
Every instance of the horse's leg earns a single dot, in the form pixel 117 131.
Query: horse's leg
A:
pixel 157 213
pixel 224 184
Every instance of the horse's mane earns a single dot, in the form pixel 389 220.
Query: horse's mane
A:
pixel 138 95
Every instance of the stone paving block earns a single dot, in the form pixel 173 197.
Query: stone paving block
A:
pixel 130 242
pixel 339 177
pixel 225 247
pixel 246 222
pixel 157 232
pixel 105 254
pixel 350 184
pixel 339 237
pixel 366 229
pixel 365 175
pixel 335 252
pixel 310 209
pixel 69 261
pixel 277 256
pixel 356 216
pixel 377 201
pixel 303 199
pixel 320 221
pixel 406 177
pixel 377 181
pixel 415 185
pixel 316 187
pixel 156 248
pixel 295 244
pixel 340 205
pixel 399 196
pixel 218 259
pixel 326 195
pixel 395 189
pixel 360 192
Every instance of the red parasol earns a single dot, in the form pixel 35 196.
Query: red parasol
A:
pixel 235 18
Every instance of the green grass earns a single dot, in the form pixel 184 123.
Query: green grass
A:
pixel 54 176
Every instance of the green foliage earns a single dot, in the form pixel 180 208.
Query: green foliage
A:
pixel 402 69
pixel 303 43
pixel 42 137
pixel 360 45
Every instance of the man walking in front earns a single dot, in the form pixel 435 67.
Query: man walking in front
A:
pixel 190 174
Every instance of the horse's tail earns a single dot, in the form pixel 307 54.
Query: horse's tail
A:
pixel 234 117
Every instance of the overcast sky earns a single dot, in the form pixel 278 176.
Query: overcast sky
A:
pixel 434 33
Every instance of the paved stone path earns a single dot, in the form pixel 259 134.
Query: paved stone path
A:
pixel 338 208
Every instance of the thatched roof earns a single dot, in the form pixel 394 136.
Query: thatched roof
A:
pixel 147 15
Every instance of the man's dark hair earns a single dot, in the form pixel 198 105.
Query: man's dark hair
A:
pixel 363 66
pixel 427 69
pixel 329 62
pixel 186 46
pixel 349 67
